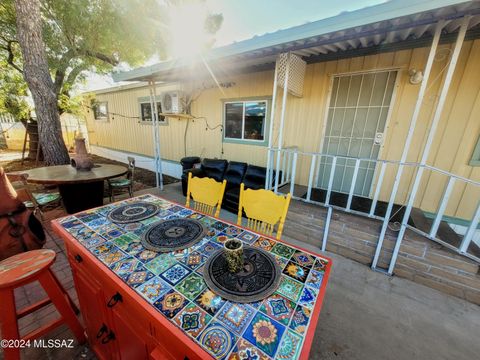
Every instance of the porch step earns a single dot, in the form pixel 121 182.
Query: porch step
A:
pixel 444 233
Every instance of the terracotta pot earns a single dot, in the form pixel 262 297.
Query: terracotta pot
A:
pixel 81 160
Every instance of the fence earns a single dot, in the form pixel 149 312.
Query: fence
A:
pixel 339 182
pixel 12 133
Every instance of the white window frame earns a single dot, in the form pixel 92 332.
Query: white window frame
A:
pixel 100 118
pixel 242 139
pixel 160 120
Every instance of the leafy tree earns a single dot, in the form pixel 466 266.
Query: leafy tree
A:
pixel 85 35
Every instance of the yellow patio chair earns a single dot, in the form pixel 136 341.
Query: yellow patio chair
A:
pixel 264 209
pixel 206 194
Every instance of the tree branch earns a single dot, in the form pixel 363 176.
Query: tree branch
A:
pixel 105 58
pixel 11 55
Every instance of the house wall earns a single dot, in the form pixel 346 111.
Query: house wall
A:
pixel 456 137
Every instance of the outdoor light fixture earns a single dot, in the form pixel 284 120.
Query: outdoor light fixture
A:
pixel 416 76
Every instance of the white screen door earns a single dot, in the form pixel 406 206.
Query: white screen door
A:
pixel 357 115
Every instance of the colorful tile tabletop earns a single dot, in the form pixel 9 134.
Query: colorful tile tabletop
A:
pixel 275 328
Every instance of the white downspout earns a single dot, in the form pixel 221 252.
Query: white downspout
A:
pixel 152 111
pixel 282 121
pixel 268 181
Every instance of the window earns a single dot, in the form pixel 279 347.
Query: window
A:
pixel 245 120
pixel 146 112
pixel 100 110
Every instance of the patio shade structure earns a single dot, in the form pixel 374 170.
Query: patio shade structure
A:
pixel 387 27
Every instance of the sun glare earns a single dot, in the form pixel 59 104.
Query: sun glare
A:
pixel 187 27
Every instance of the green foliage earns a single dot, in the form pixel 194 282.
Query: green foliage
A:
pixel 13 92
pixel 91 35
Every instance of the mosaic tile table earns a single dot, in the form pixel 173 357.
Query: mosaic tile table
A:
pixel 143 304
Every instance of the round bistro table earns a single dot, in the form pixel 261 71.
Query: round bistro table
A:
pixel 80 189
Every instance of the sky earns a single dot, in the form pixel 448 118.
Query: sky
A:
pixel 243 19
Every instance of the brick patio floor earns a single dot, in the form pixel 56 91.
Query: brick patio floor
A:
pixel 33 292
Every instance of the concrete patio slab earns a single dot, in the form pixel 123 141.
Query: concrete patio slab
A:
pixel 366 315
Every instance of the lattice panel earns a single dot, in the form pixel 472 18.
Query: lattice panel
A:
pixel 296 73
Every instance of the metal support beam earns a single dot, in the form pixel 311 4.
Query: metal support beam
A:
pixel 470 231
pixel 408 140
pixel 268 181
pixel 156 136
pixel 326 228
pixel 442 207
pixel 282 121
pixel 431 136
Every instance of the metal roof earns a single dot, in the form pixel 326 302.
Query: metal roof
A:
pixel 405 23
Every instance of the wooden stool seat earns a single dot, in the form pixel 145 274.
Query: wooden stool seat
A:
pixel 24 268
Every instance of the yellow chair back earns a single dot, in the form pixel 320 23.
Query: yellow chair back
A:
pixel 264 210
pixel 206 193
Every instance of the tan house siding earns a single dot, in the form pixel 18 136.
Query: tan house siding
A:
pixel 456 136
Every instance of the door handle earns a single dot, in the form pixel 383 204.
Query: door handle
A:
pixel 114 300
pixel 109 337
pixel 103 329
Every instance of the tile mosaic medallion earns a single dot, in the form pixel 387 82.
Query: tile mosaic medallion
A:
pixel 264 243
pixel 246 351
pixel 298 272
pixel 153 289
pixel 193 260
pixel 300 319
pixel 209 301
pixel 137 276
pixel 173 283
pixel 283 250
pixel 308 296
pixel 209 248
pixel 278 307
pixel 302 258
pixel 175 273
pixel 171 303
pixel 235 316
pixel 191 286
pixel 290 288
pixel 290 346
pixel 264 333
pixel 320 264
pixel 248 237
pixel 160 263
pixel 315 279
pixel 192 320
pixel 217 340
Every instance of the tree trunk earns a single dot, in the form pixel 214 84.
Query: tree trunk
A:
pixel 37 76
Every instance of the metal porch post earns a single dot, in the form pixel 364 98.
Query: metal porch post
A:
pixel 431 135
pixel 408 140
pixel 157 132
pixel 268 181
pixel 282 121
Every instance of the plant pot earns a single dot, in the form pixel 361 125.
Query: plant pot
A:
pixel 81 160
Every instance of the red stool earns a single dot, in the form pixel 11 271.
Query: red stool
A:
pixel 25 268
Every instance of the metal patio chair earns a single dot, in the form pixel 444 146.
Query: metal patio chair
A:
pixel 124 184
pixel 39 199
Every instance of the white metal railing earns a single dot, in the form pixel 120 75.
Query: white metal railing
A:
pixel 289 159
